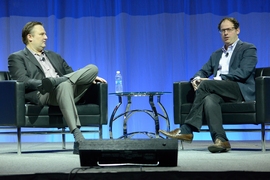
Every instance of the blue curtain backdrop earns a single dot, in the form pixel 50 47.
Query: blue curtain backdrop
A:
pixel 152 42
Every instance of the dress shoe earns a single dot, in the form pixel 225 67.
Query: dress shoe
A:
pixel 220 146
pixel 76 148
pixel 48 84
pixel 176 134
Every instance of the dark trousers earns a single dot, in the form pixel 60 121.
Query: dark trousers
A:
pixel 206 105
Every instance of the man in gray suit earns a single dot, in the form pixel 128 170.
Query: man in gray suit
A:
pixel 48 79
pixel 233 69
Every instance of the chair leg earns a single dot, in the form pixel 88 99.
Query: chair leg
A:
pixel 63 139
pixel 182 145
pixel 19 141
pixel 263 137
pixel 100 131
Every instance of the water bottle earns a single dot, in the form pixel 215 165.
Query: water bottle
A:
pixel 118 82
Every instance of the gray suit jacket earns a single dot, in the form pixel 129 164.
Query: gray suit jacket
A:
pixel 241 70
pixel 24 67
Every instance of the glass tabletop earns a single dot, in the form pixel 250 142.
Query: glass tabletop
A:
pixel 144 93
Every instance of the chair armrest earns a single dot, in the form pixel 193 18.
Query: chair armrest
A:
pixel 12 103
pixel 98 94
pixel 262 85
pixel 183 93
pixel 103 100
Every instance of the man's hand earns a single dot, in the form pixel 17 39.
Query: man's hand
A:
pixel 196 82
pixel 99 79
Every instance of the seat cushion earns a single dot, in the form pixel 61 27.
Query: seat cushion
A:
pixel 85 109
pixel 240 107
pixel 51 116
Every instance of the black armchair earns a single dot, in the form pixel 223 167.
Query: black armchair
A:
pixel 15 113
pixel 256 112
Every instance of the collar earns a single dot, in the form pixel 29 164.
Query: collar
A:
pixel 230 48
pixel 34 53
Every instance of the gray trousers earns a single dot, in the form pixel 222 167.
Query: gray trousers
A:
pixel 67 93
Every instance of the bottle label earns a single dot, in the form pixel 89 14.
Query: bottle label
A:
pixel 118 82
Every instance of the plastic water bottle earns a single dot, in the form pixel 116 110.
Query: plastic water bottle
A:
pixel 118 82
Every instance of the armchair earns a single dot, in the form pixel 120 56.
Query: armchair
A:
pixel 256 112
pixel 16 114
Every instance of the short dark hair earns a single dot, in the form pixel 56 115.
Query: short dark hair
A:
pixel 27 29
pixel 232 20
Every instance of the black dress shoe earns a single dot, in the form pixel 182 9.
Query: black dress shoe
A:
pixel 41 90
pixel 219 146
pixel 176 134
pixel 76 148
pixel 47 86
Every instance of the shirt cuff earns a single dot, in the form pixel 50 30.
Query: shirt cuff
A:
pixel 217 78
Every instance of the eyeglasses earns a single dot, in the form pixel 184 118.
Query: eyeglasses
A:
pixel 222 31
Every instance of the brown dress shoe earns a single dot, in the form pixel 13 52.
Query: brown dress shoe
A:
pixel 219 146
pixel 176 135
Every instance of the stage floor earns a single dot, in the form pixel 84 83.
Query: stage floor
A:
pixel 44 158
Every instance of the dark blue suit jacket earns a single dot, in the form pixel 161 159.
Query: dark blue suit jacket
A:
pixel 241 70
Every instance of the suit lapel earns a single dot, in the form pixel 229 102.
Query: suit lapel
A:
pixel 32 58
pixel 238 45
pixel 219 54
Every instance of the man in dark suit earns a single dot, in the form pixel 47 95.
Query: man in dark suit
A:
pixel 233 68
pixel 48 79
